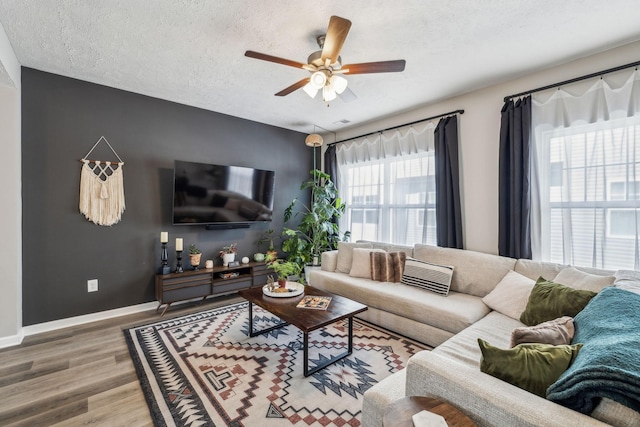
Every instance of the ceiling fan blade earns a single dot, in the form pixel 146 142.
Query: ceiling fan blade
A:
pixel 265 57
pixel 336 35
pixel 293 87
pixel 347 95
pixel 375 67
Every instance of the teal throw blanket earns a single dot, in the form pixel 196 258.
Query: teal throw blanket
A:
pixel 608 364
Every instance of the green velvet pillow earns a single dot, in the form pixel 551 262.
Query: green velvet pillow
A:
pixel 549 300
pixel 532 367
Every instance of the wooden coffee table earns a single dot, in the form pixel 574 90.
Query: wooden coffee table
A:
pixel 399 413
pixel 305 319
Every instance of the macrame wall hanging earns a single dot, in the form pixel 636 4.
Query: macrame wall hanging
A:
pixel 102 188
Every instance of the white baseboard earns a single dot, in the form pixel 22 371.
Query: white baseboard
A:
pixel 12 340
pixel 87 318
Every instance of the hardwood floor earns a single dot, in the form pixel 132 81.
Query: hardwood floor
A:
pixel 81 375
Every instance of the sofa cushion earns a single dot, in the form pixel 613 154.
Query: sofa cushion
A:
pixel 510 295
pixel 361 262
pixel 329 260
pixel 628 280
pixel 555 332
pixel 452 313
pixel 577 279
pixel 428 276
pixel 389 247
pixel 345 255
pixel 475 273
pixel 532 367
pixel 535 269
pixel 495 327
pixel 550 300
pixel 387 266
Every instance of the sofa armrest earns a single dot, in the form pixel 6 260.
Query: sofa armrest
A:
pixel 485 399
pixel 329 260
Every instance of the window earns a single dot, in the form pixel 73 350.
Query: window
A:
pixel 387 182
pixel 622 223
pixel 391 200
pixel 590 194
pixel 585 173
pixel 622 190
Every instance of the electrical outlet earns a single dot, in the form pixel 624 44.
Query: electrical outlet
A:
pixel 92 285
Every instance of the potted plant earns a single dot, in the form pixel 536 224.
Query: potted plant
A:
pixel 268 236
pixel 318 229
pixel 194 256
pixel 228 253
pixel 284 269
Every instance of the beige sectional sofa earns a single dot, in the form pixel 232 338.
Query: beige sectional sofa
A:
pixel 452 324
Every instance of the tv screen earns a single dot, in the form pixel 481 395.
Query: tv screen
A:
pixel 216 194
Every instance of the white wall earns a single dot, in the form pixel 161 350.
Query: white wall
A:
pixel 479 133
pixel 10 194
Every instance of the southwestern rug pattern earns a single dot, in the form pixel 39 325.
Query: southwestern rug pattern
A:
pixel 203 370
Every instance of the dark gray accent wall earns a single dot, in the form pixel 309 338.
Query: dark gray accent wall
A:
pixel 61 120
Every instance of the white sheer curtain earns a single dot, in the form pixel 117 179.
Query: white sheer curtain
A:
pixel 585 198
pixel 388 183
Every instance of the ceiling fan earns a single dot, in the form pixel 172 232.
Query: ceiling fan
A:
pixel 326 66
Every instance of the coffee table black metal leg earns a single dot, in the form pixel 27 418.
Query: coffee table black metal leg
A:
pixel 250 319
pixel 305 353
pixel 253 333
pixel 305 344
pixel 350 345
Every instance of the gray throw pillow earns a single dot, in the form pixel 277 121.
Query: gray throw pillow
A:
pixel 555 332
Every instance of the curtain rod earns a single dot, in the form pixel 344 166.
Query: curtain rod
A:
pixel 577 79
pixel 451 113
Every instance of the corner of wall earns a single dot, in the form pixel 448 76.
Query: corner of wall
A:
pixel 9 65
pixel 11 332
pixel 13 340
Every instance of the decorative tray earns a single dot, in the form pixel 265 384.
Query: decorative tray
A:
pixel 293 290
pixel 229 275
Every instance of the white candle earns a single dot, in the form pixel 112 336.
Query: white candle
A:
pixel 179 244
pixel 164 237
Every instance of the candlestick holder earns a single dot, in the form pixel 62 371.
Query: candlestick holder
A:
pixel 164 258
pixel 179 263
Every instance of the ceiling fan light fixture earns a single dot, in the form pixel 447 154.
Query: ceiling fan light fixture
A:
pixel 318 80
pixel 338 83
pixel 325 63
pixel 310 90
pixel 328 93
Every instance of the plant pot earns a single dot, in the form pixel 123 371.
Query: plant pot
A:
pixel 227 258
pixel 282 283
pixel 194 259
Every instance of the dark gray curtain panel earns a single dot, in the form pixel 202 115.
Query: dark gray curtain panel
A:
pixel 448 211
pixel 331 164
pixel 331 168
pixel 514 233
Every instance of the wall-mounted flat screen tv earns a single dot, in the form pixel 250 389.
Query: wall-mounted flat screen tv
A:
pixel 221 195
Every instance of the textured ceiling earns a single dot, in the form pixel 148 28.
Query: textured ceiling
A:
pixel 192 52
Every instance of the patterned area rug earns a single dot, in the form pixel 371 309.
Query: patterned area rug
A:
pixel 203 370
